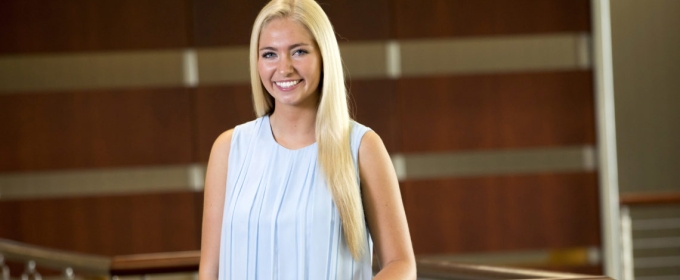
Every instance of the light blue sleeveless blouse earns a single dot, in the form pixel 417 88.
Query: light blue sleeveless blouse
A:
pixel 280 221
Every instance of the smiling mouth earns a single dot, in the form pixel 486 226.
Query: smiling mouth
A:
pixel 287 84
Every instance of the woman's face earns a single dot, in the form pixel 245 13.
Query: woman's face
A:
pixel 289 63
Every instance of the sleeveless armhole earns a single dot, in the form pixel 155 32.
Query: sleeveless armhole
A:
pixel 358 132
pixel 241 145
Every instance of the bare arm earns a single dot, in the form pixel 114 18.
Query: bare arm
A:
pixel 385 210
pixel 213 206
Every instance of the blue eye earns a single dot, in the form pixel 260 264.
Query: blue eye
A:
pixel 268 55
pixel 300 52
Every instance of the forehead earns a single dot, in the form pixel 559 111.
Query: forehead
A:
pixel 284 31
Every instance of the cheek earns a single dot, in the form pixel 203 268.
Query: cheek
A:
pixel 261 68
pixel 264 79
pixel 263 71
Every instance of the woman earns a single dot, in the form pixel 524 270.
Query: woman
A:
pixel 282 195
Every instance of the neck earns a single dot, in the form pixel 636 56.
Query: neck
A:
pixel 293 127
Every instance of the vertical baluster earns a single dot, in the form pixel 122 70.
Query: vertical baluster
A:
pixel 627 244
pixel 3 269
pixel 31 272
pixel 68 274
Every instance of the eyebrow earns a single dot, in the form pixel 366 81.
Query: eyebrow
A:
pixel 290 48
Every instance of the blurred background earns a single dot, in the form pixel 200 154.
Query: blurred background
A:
pixel 108 110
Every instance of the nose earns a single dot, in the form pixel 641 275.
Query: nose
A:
pixel 285 65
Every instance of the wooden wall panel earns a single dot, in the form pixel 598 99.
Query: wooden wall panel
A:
pixel 230 22
pixel 82 25
pixel 218 109
pixel 502 212
pixel 496 111
pixel 224 22
pixel 107 225
pixel 9 224
pixel 374 104
pixel 86 129
pixel 359 20
pixel 452 18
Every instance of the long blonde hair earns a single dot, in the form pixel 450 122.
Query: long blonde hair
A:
pixel 333 125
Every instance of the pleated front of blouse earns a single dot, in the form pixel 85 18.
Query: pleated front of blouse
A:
pixel 280 221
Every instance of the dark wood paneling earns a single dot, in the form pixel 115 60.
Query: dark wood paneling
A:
pixel 374 103
pixel 84 25
pixel 496 111
pixel 105 128
pixel 108 225
pixel 224 22
pixel 359 20
pixel 198 214
pixel 9 224
pixel 218 109
pixel 230 22
pixel 444 18
pixel 502 212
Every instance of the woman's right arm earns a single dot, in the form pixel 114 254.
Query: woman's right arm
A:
pixel 213 206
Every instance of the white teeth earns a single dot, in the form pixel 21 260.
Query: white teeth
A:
pixel 287 84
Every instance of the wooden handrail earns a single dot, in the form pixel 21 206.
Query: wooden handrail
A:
pixel 188 262
pixel 632 199
pixel 155 263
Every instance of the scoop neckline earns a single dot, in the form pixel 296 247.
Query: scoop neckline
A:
pixel 271 138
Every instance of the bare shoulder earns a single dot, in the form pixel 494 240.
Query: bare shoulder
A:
pixel 374 160
pixel 216 172
pixel 371 145
pixel 219 154
pixel 222 144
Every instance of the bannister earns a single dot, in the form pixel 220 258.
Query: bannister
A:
pixel 188 261
pixel 155 263
pixel 649 198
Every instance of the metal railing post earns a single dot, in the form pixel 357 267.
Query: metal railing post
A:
pixel 4 269
pixel 627 243
pixel 68 274
pixel 31 272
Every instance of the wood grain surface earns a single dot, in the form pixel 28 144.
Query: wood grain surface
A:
pixel 453 18
pixel 496 111
pixel 34 26
pixel 90 129
pixel 497 213
pixel 107 225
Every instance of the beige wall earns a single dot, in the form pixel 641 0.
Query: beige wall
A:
pixel 646 45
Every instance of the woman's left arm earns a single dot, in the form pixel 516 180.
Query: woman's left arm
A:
pixel 385 211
